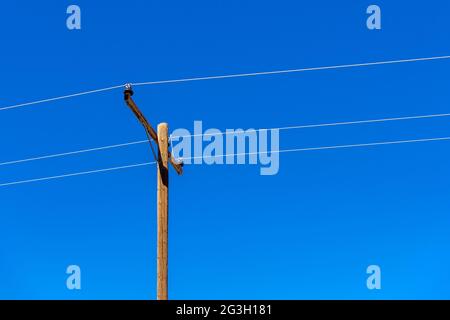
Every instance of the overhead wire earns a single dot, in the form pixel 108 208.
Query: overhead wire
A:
pixel 236 75
pixel 347 146
pixel 330 124
pixel 226 77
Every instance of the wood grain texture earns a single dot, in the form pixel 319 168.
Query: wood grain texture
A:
pixel 163 212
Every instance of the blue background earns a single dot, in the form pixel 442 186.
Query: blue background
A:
pixel 307 233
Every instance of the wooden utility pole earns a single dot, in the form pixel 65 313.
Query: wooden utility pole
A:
pixel 163 211
pixel 161 138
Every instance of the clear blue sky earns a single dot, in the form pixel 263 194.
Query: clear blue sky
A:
pixel 308 232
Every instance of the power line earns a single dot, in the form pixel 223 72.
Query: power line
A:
pixel 60 98
pixel 331 124
pixel 358 145
pixel 239 75
pixel 347 146
pixel 253 74
pixel 57 155
pixel 76 174
pixel 72 153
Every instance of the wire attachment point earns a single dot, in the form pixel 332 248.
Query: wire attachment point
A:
pixel 128 91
